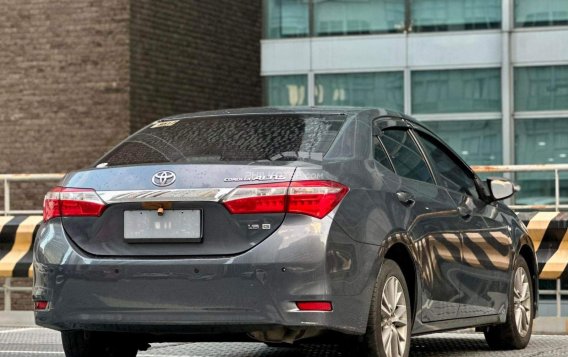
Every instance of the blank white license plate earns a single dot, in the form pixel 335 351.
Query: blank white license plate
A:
pixel 173 225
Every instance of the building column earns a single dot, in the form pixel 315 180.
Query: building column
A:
pixel 507 86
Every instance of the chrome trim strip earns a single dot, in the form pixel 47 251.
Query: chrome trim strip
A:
pixel 197 194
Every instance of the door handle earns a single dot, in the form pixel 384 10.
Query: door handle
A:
pixel 464 211
pixel 465 208
pixel 405 198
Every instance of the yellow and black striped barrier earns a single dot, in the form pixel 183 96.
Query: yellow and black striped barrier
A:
pixel 17 234
pixel 548 230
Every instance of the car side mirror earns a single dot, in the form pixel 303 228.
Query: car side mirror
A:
pixel 500 188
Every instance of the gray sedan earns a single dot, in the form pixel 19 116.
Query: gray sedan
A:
pixel 281 225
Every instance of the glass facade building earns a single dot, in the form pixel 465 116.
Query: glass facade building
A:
pixel 451 15
pixel 286 90
pixel 541 128
pixel 383 89
pixel 531 13
pixel 456 91
pixel 454 73
pixel 344 17
pixel 488 76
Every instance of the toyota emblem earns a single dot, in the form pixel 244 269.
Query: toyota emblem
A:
pixel 163 178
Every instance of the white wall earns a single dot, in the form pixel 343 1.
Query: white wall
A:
pixel 439 50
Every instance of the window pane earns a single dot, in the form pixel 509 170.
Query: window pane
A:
pixel 286 90
pixel 456 91
pixel 454 177
pixel 361 89
pixel 380 154
pixel 530 13
pixel 343 17
pixel 452 15
pixel 478 142
pixel 407 160
pixel 541 88
pixel 541 141
pixel 230 139
pixel 285 18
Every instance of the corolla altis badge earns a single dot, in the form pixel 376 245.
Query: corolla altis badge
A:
pixel 255 178
pixel 163 178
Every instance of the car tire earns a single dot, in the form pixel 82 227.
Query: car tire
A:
pixel 93 344
pixel 387 323
pixel 516 333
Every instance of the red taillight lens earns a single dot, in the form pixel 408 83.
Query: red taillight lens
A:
pixel 263 198
pixel 314 305
pixel 312 198
pixel 72 202
pixel 315 198
pixel 41 305
pixel 51 204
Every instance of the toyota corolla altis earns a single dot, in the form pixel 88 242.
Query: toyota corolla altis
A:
pixel 281 225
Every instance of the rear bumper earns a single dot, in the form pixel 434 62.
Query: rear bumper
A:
pixel 305 259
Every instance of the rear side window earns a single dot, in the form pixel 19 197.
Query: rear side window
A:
pixel 406 157
pixel 380 154
pixel 242 139
pixel 453 175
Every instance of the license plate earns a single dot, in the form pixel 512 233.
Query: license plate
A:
pixel 173 226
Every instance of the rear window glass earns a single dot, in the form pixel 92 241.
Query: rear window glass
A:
pixel 229 139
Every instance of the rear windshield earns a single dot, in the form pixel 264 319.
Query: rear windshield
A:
pixel 229 139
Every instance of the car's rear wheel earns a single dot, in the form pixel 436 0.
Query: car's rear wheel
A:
pixel 94 344
pixel 389 325
pixel 516 332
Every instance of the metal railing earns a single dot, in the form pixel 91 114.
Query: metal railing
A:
pixel 557 292
pixel 7 179
pixel 8 289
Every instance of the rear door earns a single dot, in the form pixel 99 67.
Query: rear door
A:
pixel 485 240
pixel 426 218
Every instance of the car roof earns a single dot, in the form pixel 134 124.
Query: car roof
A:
pixel 287 110
pixel 363 113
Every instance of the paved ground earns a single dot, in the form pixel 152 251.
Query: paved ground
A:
pixel 35 341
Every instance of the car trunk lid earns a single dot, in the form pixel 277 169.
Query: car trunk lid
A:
pixel 195 193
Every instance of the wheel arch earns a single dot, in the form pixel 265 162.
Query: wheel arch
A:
pixel 401 254
pixel 527 252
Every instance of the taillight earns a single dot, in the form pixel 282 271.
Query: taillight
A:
pixel 312 198
pixel 72 202
pixel 41 305
pixel 263 198
pixel 315 198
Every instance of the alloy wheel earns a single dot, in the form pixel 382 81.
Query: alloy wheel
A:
pixel 394 318
pixel 522 300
